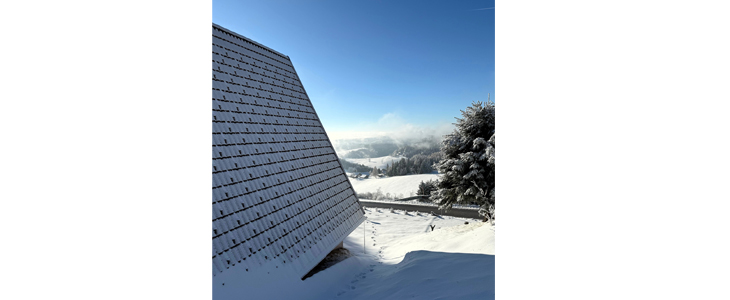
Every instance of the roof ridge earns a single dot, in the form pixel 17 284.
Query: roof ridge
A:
pixel 250 40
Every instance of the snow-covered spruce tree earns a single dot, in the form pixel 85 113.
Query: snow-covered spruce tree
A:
pixel 374 172
pixel 425 188
pixel 468 161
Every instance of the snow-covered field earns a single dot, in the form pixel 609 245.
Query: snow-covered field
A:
pixel 406 185
pixel 421 204
pixel 380 162
pixel 395 256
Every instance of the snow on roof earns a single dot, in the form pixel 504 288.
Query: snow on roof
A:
pixel 281 199
pixel 250 40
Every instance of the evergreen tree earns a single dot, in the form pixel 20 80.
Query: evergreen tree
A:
pixel 468 161
pixel 421 189
pixel 374 172
pixel 425 188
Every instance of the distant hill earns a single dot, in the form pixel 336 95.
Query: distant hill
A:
pixel 386 146
pixel 394 157
pixel 354 167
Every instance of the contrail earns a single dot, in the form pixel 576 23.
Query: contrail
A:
pixel 483 8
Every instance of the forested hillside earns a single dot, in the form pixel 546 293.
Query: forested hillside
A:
pixel 416 164
pixel 419 154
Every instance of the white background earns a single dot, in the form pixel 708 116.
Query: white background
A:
pixel 613 150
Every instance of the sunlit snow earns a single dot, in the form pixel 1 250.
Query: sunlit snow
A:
pixel 396 255
pixel 406 185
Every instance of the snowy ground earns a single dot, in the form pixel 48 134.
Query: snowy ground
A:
pixel 405 259
pixel 395 256
pixel 380 162
pixel 420 204
pixel 406 185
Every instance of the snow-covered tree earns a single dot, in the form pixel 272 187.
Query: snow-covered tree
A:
pixel 468 161
pixel 425 188
pixel 374 172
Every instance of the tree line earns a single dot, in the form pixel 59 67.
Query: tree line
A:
pixel 417 164
pixel 353 167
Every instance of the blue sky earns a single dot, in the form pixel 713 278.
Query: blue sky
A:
pixel 378 67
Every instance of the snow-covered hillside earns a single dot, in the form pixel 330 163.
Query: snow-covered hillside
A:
pixel 406 185
pixel 380 162
pixel 341 153
pixel 396 255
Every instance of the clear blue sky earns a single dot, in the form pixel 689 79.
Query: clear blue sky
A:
pixel 375 65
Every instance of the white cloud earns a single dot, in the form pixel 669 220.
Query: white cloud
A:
pixel 394 126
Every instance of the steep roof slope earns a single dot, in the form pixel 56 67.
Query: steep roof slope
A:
pixel 281 199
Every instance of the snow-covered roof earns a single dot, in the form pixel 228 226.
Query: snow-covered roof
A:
pixel 281 199
pixel 250 40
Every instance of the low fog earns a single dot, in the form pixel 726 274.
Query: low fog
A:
pixel 389 133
